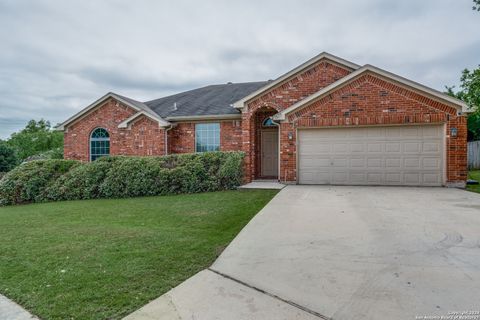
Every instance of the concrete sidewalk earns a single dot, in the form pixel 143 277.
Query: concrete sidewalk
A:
pixel 9 310
pixel 211 296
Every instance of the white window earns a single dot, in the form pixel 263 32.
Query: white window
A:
pixel 207 137
pixel 99 144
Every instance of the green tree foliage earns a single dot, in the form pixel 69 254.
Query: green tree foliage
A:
pixel 8 158
pixel 476 5
pixel 470 93
pixel 36 138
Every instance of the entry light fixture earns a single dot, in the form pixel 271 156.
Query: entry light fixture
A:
pixel 290 135
pixel 453 132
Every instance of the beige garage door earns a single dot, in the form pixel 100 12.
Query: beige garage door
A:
pixel 396 155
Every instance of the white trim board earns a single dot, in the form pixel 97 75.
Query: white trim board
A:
pixel 206 117
pixel 162 123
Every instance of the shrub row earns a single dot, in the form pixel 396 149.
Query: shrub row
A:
pixel 120 177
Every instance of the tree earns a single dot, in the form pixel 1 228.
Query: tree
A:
pixel 37 137
pixel 476 5
pixel 8 158
pixel 470 93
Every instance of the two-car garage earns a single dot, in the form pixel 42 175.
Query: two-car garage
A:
pixel 379 155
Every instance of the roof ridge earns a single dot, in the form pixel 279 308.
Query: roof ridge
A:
pixel 204 87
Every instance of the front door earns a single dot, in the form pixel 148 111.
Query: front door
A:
pixel 269 159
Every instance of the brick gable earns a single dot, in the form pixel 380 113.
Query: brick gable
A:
pixel 143 137
pixel 280 97
pixel 300 86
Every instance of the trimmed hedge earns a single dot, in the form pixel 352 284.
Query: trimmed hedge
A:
pixel 28 182
pixel 120 177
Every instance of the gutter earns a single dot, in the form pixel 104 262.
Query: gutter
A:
pixel 166 138
pixel 206 117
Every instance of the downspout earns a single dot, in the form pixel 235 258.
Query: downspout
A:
pixel 278 169
pixel 166 138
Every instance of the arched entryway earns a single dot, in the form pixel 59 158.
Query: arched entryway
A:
pixel 266 144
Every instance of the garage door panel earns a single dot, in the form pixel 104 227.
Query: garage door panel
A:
pixel 375 147
pixel 358 178
pixel 411 132
pixel 357 163
pixel 412 147
pixel 394 178
pixel 340 177
pixel 400 155
pixel 357 147
pixel 315 177
pixel 340 162
pixel 431 163
pixel 431 178
pixel 394 163
pixel 433 147
pixel 411 163
pixel 431 131
pixel 317 147
pixel 375 178
pixel 393 147
pixel 315 162
pixel 341 148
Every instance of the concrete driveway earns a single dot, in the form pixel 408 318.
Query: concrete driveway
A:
pixel 364 252
pixel 323 252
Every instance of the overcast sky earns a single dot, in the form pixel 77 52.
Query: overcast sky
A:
pixel 56 57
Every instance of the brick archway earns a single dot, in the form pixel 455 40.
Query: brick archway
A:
pixel 254 152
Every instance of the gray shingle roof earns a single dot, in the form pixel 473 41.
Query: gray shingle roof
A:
pixel 138 104
pixel 209 100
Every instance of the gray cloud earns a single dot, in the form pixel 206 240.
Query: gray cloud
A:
pixel 58 56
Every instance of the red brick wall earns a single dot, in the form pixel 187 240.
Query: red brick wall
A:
pixel 370 100
pixel 182 136
pixel 282 96
pixel 144 137
pixel 231 135
pixel 300 86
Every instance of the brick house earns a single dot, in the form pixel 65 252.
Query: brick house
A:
pixel 327 121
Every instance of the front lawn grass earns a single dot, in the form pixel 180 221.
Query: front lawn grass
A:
pixel 475 175
pixel 103 259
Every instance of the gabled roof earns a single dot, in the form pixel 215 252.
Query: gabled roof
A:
pixel 139 106
pixel 207 101
pixel 128 121
pixel 324 55
pixel 436 95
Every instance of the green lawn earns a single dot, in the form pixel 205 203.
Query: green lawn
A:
pixel 102 259
pixel 475 175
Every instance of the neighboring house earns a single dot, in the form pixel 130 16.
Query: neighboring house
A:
pixel 327 121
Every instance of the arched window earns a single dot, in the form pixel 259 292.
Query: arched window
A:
pixel 99 144
pixel 268 122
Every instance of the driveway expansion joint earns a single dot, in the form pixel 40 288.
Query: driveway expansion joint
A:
pixel 293 304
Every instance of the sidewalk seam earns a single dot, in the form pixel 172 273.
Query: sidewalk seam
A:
pixel 293 304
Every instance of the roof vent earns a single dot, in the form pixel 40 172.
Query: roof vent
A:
pixel 174 106
pixel 229 82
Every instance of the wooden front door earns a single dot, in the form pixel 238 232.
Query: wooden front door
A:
pixel 269 157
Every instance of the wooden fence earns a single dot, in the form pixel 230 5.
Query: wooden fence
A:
pixel 474 155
